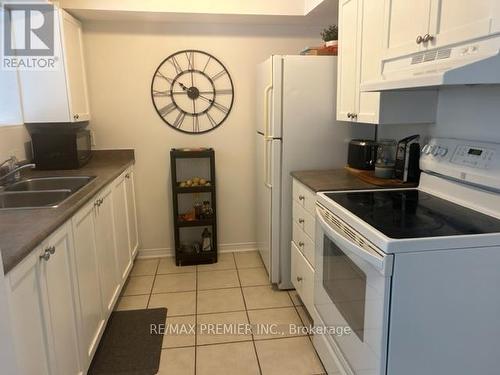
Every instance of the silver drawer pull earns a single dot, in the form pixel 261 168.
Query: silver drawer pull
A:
pixel 301 221
pixel 301 244
pixel 51 250
pixel 299 279
pixel 45 256
pixel 301 197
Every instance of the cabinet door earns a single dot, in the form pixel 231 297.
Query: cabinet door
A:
pixel 455 21
pixel 370 55
pixel 57 281
pixel 404 22
pixel 106 250
pixel 132 213
pixel 75 68
pixel 123 248
pixel 91 311
pixel 31 342
pixel 347 87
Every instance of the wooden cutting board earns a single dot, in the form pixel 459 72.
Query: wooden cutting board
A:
pixel 369 176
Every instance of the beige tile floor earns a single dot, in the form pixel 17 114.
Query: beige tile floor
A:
pixel 234 293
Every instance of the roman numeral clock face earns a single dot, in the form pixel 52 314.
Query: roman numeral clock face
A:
pixel 192 91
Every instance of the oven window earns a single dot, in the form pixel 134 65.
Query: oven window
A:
pixel 345 283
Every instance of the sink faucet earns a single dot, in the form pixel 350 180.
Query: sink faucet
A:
pixel 13 173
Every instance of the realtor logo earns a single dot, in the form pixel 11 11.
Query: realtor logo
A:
pixel 28 36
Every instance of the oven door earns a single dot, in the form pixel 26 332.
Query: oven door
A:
pixel 351 294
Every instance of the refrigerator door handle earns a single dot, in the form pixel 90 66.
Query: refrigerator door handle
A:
pixel 267 138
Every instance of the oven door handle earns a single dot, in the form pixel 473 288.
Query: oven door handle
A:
pixel 382 262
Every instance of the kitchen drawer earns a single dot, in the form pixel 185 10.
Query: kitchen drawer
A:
pixel 303 243
pixel 304 220
pixel 302 278
pixel 304 197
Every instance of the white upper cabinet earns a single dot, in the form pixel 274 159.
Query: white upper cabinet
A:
pixel 453 21
pixel 360 60
pixel 59 94
pixel 348 34
pixel 405 21
pixel 414 26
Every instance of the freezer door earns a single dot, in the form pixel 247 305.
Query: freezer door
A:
pixel 264 91
pixel 269 98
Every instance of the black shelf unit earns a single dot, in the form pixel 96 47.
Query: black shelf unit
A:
pixel 185 258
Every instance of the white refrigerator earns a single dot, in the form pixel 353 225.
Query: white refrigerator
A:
pixel 296 129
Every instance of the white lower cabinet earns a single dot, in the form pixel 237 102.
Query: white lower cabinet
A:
pixel 132 212
pixel 106 249
pixel 43 311
pixel 120 215
pixel 302 246
pixel 61 296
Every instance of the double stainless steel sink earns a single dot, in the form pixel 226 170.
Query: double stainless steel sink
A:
pixel 41 192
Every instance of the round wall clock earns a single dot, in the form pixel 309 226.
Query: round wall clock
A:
pixel 192 91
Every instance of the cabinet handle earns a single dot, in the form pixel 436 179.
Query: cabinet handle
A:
pixel 299 279
pixel 301 197
pixel 45 256
pixel 127 175
pixel 427 38
pixel 349 115
pixel 51 250
pixel 354 115
pixel 301 221
pixel 76 117
pixel 419 39
pixel 301 244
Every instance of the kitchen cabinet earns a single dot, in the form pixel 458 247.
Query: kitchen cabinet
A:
pixel 92 319
pixel 106 249
pixel 132 212
pixel 411 27
pixel 360 60
pixel 61 296
pixel 121 220
pixel 59 94
pixel 303 245
pixel 347 93
pixel 43 310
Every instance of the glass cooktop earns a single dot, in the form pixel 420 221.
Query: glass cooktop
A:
pixel 414 214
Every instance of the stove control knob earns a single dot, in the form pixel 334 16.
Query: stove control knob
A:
pixel 435 150
pixel 426 149
pixel 443 151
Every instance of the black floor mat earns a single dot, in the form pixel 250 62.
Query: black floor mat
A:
pixel 127 346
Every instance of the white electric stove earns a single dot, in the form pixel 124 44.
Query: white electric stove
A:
pixel 412 275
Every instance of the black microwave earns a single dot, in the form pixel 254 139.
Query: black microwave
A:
pixel 61 147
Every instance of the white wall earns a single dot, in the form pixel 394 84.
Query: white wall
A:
pixel 12 140
pixel 469 113
pixel 121 59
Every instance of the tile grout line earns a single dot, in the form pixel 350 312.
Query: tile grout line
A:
pixel 248 316
pixel 153 285
pixel 304 324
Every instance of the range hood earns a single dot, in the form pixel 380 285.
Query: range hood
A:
pixel 468 64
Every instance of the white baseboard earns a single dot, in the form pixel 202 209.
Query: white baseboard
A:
pixel 223 248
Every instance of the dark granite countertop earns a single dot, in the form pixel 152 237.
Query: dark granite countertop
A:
pixel 332 179
pixel 23 230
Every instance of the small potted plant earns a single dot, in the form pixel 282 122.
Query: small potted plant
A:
pixel 330 36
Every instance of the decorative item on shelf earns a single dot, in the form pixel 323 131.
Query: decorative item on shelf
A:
pixel 194 182
pixel 330 36
pixel 198 210
pixel 207 212
pixel 192 92
pixel 206 243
